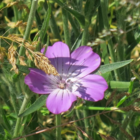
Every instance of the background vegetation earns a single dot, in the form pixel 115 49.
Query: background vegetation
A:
pixel 110 27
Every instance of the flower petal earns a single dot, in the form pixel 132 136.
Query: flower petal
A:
pixel 92 88
pixel 38 81
pixel 83 61
pixel 59 55
pixel 60 101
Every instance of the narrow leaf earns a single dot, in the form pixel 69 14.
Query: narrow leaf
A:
pixel 77 42
pixel 113 66
pixel 76 14
pixel 35 106
pixel 119 85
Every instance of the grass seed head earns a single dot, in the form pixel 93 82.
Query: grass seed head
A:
pixel 12 58
pixel 43 63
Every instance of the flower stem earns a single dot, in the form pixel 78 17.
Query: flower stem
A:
pixel 29 25
pixel 18 122
pixel 58 129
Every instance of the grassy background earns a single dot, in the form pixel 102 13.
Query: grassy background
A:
pixel 110 27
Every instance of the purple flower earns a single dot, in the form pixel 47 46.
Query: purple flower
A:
pixel 74 78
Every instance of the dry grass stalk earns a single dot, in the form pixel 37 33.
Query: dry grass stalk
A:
pixel 111 98
pixel 12 58
pixel 122 95
pixel 106 137
pixel 28 55
pixel 9 4
pixel 43 63
pixel 22 7
pixel 128 108
pixel 137 100
pixel 20 40
pixel 2 53
pixel 119 125
pixel 126 134
pixel 15 38
pixel 136 109
pixel 21 60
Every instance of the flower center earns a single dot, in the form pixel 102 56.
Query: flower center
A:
pixel 62 85
pixel 68 83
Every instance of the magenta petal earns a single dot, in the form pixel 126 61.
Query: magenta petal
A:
pixel 60 101
pixel 84 61
pixel 37 81
pixel 92 88
pixel 59 55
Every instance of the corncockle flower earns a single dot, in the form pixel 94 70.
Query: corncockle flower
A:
pixel 74 78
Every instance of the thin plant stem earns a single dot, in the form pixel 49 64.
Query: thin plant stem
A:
pixel 104 9
pixel 121 24
pixel 85 35
pixel 74 25
pixel 18 122
pixel 80 124
pixel 88 10
pixel 126 123
pixel 58 129
pixel 38 20
pixel 29 25
pixel 44 27
pixel 86 122
pixel 102 45
pixel 13 99
pixel 54 27
pixel 15 16
pixel 65 27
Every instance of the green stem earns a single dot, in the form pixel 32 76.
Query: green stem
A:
pixel 85 35
pixel 58 129
pixel 18 122
pixel 102 45
pixel 104 8
pixel 65 27
pixel 121 25
pixel 12 91
pixel 38 20
pixel 78 123
pixel 74 25
pixel 29 25
pixel 54 27
pixel 125 124
pixel 86 122
pixel 44 27
pixel 15 16
pixel 88 9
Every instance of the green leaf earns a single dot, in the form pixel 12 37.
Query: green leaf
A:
pixel 35 106
pixel 113 66
pixel 119 85
pixel 77 43
pixel 76 14
pixel 23 69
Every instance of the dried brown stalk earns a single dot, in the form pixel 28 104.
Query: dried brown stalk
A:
pixel 43 63
pixel 12 58
pixel 40 60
